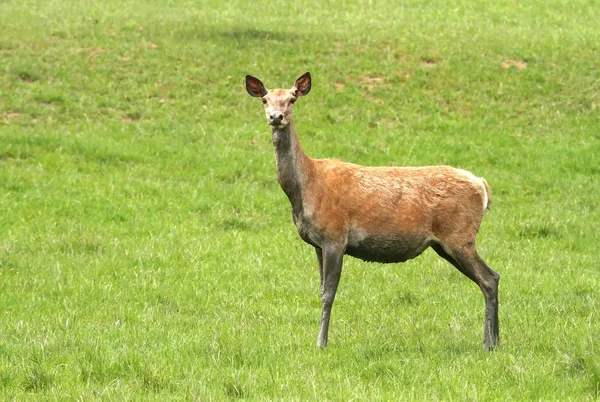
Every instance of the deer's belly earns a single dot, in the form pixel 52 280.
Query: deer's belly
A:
pixel 387 249
pixel 373 248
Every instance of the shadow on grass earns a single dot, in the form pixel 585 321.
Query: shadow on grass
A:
pixel 258 35
pixel 244 35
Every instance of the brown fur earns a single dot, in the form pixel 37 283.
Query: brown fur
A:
pixel 427 202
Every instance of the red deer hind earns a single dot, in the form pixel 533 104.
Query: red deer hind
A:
pixel 381 214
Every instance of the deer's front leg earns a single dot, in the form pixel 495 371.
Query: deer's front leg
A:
pixel 331 272
pixel 320 260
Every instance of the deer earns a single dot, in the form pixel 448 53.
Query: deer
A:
pixel 377 214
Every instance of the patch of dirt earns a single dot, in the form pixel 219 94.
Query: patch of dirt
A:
pixel 521 65
pixel 370 82
pixel 401 57
pixel 130 118
pixel 95 51
pixel 5 48
pixel 92 51
pixel 428 62
pixel 372 99
pixel 339 86
pixel 403 75
pixel 388 123
pixel 11 115
pixel 151 45
pixel 10 156
pixel 27 77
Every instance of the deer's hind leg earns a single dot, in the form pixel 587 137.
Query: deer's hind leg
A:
pixel 467 261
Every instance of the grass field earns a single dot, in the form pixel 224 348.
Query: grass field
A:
pixel 148 253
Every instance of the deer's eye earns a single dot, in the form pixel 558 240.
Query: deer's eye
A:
pixel 264 101
pixel 293 100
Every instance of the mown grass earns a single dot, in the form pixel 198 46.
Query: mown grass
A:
pixel 147 252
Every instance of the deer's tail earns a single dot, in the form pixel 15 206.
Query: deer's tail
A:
pixel 488 194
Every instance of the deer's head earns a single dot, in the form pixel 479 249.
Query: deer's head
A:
pixel 278 103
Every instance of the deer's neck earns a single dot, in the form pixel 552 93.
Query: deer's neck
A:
pixel 293 165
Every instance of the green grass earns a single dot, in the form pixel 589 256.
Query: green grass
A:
pixel 147 251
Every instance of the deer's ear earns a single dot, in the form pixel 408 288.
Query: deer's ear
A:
pixel 303 85
pixel 255 87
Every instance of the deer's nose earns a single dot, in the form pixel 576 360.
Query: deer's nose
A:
pixel 275 118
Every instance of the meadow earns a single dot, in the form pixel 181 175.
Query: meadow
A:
pixel 147 251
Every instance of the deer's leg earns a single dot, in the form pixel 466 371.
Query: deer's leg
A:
pixel 467 261
pixel 490 291
pixel 332 270
pixel 440 251
pixel 320 260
